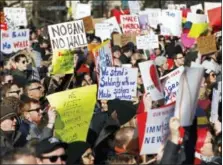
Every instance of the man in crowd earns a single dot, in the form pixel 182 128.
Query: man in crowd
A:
pixel 178 60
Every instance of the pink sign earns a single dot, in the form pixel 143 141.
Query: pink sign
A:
pixel 186 41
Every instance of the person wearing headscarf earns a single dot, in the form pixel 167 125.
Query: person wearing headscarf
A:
pixel 79 152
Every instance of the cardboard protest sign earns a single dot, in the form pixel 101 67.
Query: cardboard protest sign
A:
pixel 211 5
pixel 197 29
pixel 117 82
pixel 114 24
pixel 63 62
pixel 206 44
pixel 103 30
pixel 215 17
pixel 147 42
pixel 143 21
pixel 130 24
pixel 153 16
pixel 99 20
pixel 215 105
pixel 123 39
pixel 14 40
pixel 15 17
pixel 187 96
pixel 134 7
pixel 88 23
pixel 187 41
pixel 68 35
pixel 153 128
pixel 151 80
pixel 73 114
pixel 82 10
pixel 194 8
pixel 170 84
pixel 171 21
pixel 103 55
pixel 196 18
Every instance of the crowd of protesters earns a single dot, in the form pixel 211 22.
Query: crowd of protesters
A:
pixel 27 119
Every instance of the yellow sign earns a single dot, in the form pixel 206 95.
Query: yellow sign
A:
pixel 74 112
pixel 197 29
pixel 63 62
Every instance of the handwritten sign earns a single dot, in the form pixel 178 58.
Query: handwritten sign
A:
pixel 88 23
pixel 187 96
pixel 196 18
pixel 170 83
pixel 123 39
pixel 117 82
pixel 153 16
pixel 147 42
pixel 15 17
pixel 63 62
pixel 130 24
pixel 74 115
pixel 153 128
pixel 194 8
pixel 143 21
pixel 67 35
pixel 134 7
pixel 14 40
pixel 171 21
pixel 103 30
pixel 206 44
pixel 150 79
pixel 114 24
pixel 82 10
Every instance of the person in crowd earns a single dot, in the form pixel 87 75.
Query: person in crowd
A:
pixel 9 90
pixel 162 65
pixel 178 60
pixel 79 152
pixel 116 50
pixel 34 89
pixel 7 79
pixel 127 51
pixel 122 159
pixel 51 151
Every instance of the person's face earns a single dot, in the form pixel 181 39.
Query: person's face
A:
pixel 117 54
pixel 22 64
pixel 207 149
pixel 157 52
pixel 165 66
pixel 36 91
pixel 133 145
pixel 104 105
pixel 14 91
pixel 44 45
pixel 88 157
pixel 8 79
pixel 179 60
pixel 26 160
pixel 8 124
pixel 55 157
pixel 212 77
pixel 33 36
pixel 88 79
pixel 34 114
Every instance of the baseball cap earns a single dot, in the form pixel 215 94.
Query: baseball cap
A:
pixel 49 145
pixel 7 112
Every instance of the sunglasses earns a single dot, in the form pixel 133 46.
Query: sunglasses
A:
pixel 37 88
pixel 24 62
pixel 53 159
pixel 9 81
pixel 213 75
pixel 37 110
pixel 18 91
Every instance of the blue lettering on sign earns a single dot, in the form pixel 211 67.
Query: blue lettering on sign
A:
pixel 19 34
pixel 170 14
pixel 103 94
pixel 6 45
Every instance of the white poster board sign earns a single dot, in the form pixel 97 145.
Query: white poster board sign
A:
pixel 103 30
pixel 114 24
pixel 153 16
pixel 196 18
pixel 130 24
pixel 82 10
pixel 147 42
pixel 134 7
pixel 194 8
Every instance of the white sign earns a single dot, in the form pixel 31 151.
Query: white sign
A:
pixel 147 42
pixel 115 26
pixel 130 24
pixel 176 6
pixel 67 35
pixel 103 30
pixel 170 83
pixel 15 17
pixel 187 96
pixel 196 18
pixel 151 80
pixel 215 105
pixel 134 7
pixel 153 17
pixel 172 21
pixel 82 10
pixel 194 8
pixel 156 128
pixel 117 82
pixel 14 40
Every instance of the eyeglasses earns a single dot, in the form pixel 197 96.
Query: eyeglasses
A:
pixel 37 110
pixel 53 159
pixel 37 88
pixel 179 58
pixel 89 155
pixel 9 81
pixel 213 75
pixel 18 91
pixel 24 62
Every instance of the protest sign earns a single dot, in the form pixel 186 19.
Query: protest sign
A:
pixel 147 42
pixel 215 17
pixel 176 6
pixel 115 26
pixel 123 39
pixel 14 40
pixel 171 21
pixel 103 30
pixel 170 84
pixel 194 8
pixel 187 95
pixel 134 7
pixel 196 18
pixel 151 80
pixel 63 62
pixel 143 21
pixel 117 82
pixel 73 114
pixel 153 128
pixel 82 10
pixel 88 23
pixel 99 20
pixel 206 44
pixel 197 29
pixel 130 24
pixel 211 5
pixel 67 35
pixel 215 105
pixel 15 17
pixel 187 41
pixel 153 16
